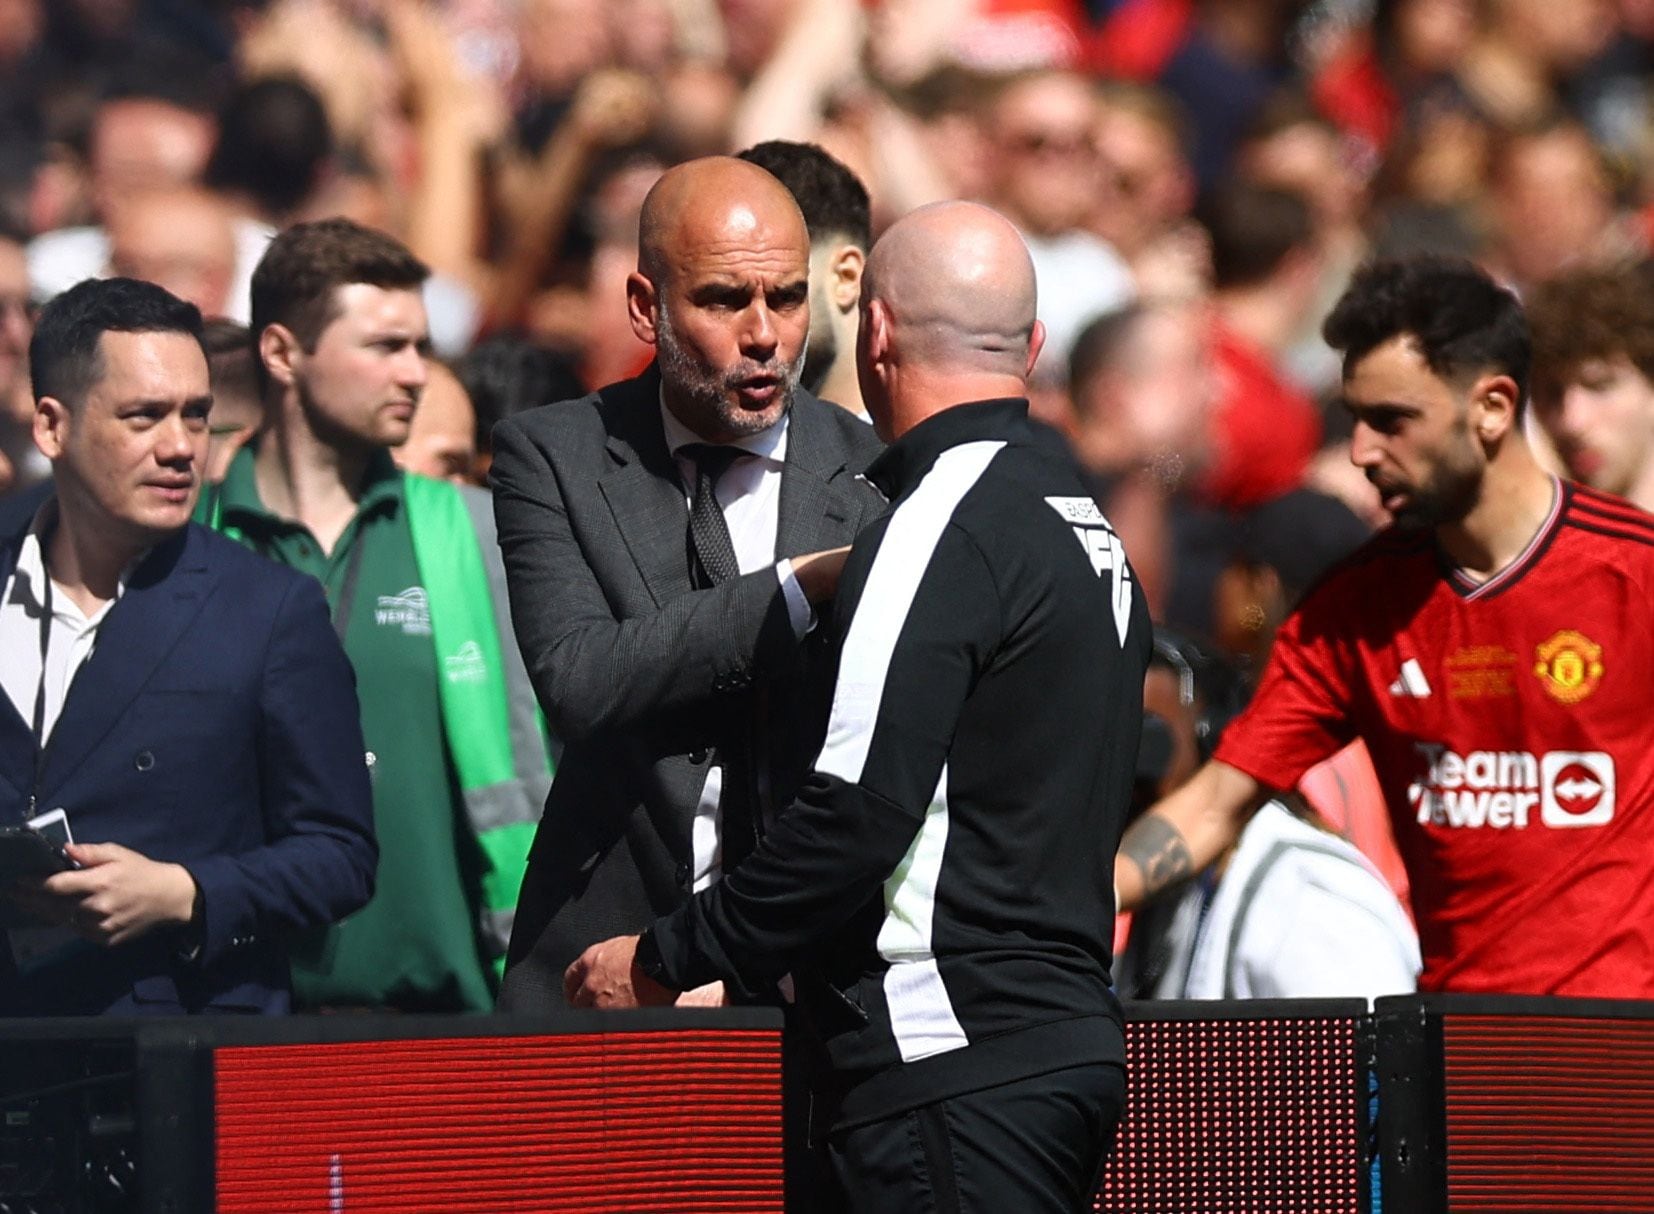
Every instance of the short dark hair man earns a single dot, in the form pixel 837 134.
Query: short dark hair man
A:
pixel 1488 648
pixel 839 218
pixel 178 704
pixel 939 887
pixel 411 566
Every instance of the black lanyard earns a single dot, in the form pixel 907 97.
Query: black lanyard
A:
pixel 40 745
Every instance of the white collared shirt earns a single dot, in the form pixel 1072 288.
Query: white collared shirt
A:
pixel 70 639
pixel 749 494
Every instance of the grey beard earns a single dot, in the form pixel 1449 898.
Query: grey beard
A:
pixel 707 389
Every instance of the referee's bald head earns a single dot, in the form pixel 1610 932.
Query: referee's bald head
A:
pixel 958 284
pixel 948 305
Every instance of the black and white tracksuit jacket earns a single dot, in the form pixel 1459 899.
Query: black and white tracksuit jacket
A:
pixel 941 890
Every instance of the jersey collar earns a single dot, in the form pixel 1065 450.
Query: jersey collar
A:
pixel 1469 589
pixel 907 459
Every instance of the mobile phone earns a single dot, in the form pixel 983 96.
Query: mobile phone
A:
pixel 28 853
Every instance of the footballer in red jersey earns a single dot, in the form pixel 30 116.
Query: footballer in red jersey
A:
pixel 1495 650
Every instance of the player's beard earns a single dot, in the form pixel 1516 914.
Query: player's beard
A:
pixel 1451 490
pixel 708 390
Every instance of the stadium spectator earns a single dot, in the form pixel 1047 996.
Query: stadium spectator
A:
pixel 1293 148
pixel 21 463
pixel 237 394
pixel 460 763
pixel 147 133
pixel 183 703
pixel 1486 648
pixel 1221 59
pixel 1146 190
pixel 274 150
pixel 1043 176
pixel 442 442
pixel 179 238
pixel 939 886
pixel 506 374
pixel 1265 271
pixel 835 207
pixel 1143 384
pixel 1593 376
pixel 1553 206
pixel 1290 910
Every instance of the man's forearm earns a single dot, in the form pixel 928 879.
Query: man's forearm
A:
pixel 1154 856
pixel 1184 832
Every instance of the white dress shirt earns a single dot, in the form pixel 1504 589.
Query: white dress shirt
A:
pixel 749 494
pixel 70 639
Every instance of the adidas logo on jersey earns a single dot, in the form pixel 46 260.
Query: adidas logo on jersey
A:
pixel 1411 683
pixel 1500 788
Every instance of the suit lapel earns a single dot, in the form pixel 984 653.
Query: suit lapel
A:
pixel 642 488
pixel 815 511
pixel 160 603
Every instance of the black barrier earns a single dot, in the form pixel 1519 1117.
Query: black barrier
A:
pixel 1257 1107
pixel 1497 1104
pixel 1428 1104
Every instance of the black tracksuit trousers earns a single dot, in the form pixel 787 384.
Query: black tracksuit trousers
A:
pixel 1033 1146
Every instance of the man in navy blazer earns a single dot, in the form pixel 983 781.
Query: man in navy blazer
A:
pixel 185 703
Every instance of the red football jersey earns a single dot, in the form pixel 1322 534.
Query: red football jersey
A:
pixel 1511 727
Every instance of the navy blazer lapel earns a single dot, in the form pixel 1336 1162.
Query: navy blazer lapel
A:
pixel 161 601
pixel 642 486
pixel 817 510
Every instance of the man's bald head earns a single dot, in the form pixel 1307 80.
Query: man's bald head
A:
pixel 947 315
pixel 958 284
pixel 712 200
pixel 722 292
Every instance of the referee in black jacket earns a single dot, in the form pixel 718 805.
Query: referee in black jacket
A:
pixel 941 889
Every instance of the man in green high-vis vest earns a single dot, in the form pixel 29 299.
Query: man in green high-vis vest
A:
pixel 459 757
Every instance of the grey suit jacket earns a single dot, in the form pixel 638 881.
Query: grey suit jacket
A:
pixel 646 680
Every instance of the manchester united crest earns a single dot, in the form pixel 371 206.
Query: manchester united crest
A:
pixel 1569 665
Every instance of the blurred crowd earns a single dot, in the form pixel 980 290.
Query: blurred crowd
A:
pixel 1199 176
pixel 1196 180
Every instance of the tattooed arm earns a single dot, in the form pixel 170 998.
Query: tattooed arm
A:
pixel 1185 832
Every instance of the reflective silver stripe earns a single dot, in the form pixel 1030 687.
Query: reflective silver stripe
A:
pixel 522 709
pixel 496 930
pixel 504 804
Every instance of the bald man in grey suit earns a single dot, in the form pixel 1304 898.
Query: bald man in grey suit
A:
pixel 647 530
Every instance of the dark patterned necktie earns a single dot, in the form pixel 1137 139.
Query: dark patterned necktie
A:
pixel 709 542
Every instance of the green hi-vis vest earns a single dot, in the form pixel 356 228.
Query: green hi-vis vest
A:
pixel 494 728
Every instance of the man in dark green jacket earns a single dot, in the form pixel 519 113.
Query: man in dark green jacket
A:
pixel 459 759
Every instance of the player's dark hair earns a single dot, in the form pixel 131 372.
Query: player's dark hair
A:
pixel 833 199
pixel 64 359
pixel 1463 321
